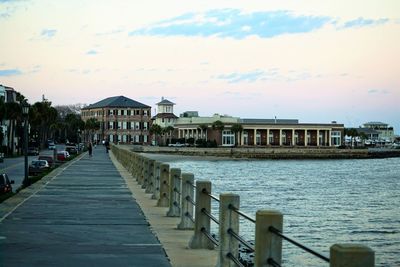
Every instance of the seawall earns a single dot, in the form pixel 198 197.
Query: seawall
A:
pixel 272 153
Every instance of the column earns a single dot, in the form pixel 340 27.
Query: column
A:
pixel 329 137
pixel 280 137
pixel 267 137
pixel 317 137
pixel 293 139
pixel 305 137
pixel 255 137
pixel 179 133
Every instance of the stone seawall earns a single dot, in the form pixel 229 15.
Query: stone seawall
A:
pixel 268 153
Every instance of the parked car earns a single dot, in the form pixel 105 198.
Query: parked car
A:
pixel 49 159
pixel 71 148
pixel 177 144
pixel 62 155
pixel 1 157
pixel 51 145
pixel 38 166
pixel 33 151
pixel 5 184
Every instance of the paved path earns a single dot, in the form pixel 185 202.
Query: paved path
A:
pixel 84 216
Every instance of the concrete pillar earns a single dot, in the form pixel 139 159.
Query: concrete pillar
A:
pixel 145 172
pixel 156 193
pixel 174 193
pixel 164 187
pixel 329 137
pixel 228 220
pixel 242 139
pixel 187 206
pixel 351 255
pixel 317 137
pixel 268 137
pixel 280 137
pixel 255 137
pixel 267 244
pixel 199 240
pixel 151 177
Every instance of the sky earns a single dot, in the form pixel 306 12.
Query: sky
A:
pixel 316 61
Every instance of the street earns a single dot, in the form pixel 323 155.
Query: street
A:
pixel 14 167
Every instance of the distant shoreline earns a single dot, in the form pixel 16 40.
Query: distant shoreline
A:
pixel 268 152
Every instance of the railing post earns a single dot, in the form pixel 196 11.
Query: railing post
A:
pixel 228 219
pixel 267 244
pixel 164 177
pixel 150 176
pixel 140 170
pixel 187 207
pixel 156 171
pixel 145 172
pixel 199 240
pixel 351 255
pixel 174 193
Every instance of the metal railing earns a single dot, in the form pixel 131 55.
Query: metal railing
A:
pixel 192 203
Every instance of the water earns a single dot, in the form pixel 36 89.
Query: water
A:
pixel 323 201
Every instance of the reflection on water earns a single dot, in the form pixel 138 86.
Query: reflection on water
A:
pixel 323 201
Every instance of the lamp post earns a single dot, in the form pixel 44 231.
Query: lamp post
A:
pixel 78 139
pixel 25 112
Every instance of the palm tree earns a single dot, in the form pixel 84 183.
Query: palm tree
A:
pixel 236 128
pixel 155 130
pixel 13 113
pixel 204 128
pixel 352 132
pixel 91 125
pixel 219 126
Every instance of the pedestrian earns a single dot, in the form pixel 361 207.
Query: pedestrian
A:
pixel 90 149
pixel 107 145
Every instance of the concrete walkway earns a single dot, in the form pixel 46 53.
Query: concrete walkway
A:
pixel 83 216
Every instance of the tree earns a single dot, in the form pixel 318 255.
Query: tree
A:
pixel 168 130
pixel 41 116
pixel 13 113
pixel 351 132
pixel 236 128
pixel 91 125
pixel 204 128
pixel 155 130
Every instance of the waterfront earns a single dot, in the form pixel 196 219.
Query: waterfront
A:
pixel 323 201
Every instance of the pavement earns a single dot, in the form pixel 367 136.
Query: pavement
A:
pixel 81 214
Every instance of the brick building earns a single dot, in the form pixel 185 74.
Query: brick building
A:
pixel 122 120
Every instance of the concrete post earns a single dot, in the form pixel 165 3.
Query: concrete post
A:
pixel 145 172
pixel 150 175
pixel 199 240
pixel 267 244
pixel 164 177
pixel 174 193
pixel 228 219
pixel 140 170
pixel 351 255
pixel 187 207
pixel 156 171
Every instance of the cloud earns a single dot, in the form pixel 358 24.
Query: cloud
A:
pixel 10 72
pixel 361 22
pixel 48 33
pixel 235 24
pixel 91 52
pixel 378 91
pixel 242 77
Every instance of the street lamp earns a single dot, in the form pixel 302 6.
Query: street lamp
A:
pixel 25 112
pixel 78 139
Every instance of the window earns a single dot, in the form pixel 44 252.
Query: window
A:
pixel 336 138
pixel 145 125
pixel 128 112
pixel 271 137
pixel 145 138
pixel 145 112
pixel 119 125
pixel 110 125
pixel 124 125
pixel 245 138
pixel 228 138
pixel 258 138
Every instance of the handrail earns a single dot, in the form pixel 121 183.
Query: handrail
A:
pixel 193 185
pixel 271 261
pixel 241 240
pixel 279 233
pixel 187 214
pixel 209 236
pixel 190 200
pixel 234 259
pixel 204 191
pixel 241 213
pixel 177 191
pixel 209 215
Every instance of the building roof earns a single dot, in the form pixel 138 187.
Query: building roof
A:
pixel 165 102
pixel 367 130
pixel 117 102
pixel 375 123
pixel 269 121
pixel 165 116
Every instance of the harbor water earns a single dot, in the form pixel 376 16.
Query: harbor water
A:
pixel 323 201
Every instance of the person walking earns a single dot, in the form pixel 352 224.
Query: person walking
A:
pixel 107 145
pixel 90 149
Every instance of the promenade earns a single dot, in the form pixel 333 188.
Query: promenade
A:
pixel 82 214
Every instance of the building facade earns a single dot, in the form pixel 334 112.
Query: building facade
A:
pixel 165 116
pixel 260 132
pixel 10 141
pixel 122 120
pixel 378 132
